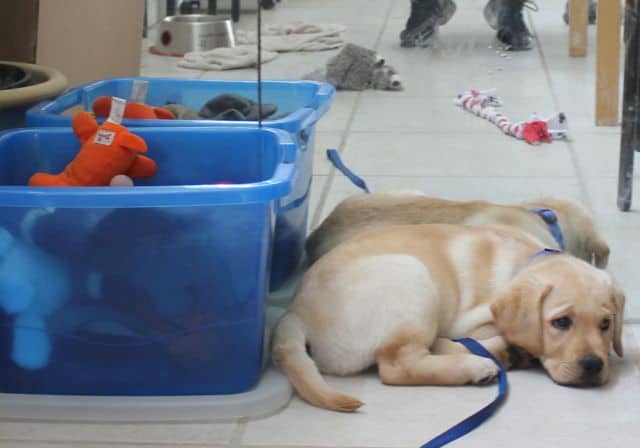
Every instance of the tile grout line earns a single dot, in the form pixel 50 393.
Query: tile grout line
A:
pixel 82 443
pixel 238 433
pixel 347 131
pixel 582 186
pixel 308 446
pixel 89 443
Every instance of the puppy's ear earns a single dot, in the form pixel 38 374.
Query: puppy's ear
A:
pixel 618 299
pixel 518 314
pixel 599 249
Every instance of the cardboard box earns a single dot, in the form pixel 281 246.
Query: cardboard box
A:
pixel 84 39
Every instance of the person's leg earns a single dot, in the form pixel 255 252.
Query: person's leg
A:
pixel 505 16
pixel 425 18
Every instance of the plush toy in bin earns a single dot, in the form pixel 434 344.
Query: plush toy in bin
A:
pixel 108 150
pixel 102 107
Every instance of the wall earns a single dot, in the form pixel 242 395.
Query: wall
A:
pixel 91 39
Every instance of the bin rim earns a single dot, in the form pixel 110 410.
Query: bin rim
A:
pixel 307 115
pixel 278 186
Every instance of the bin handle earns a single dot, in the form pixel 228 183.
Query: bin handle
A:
pixel 324 94
pixel 289 147
pixel 284 174
pixel 58 105
pixel 298 201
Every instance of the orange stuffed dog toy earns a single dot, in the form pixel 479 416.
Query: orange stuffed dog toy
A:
pixel 107 151
pixel 102 107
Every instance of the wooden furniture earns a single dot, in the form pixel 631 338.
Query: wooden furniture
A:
pixel 607 53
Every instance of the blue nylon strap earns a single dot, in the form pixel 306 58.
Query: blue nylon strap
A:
pixel 550 217
pixel 334 158
pixel 472 422
pixel 544 252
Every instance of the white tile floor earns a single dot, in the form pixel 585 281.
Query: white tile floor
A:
pixel 417 139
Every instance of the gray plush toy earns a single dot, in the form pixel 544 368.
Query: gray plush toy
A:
pixel 358 68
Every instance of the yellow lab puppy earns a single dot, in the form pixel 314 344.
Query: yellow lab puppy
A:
pixel 363 212
pixel 395 297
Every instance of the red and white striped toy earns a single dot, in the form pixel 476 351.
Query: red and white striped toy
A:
pixel 534 131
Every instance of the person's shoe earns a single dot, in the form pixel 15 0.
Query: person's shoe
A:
pixel 425 18
pixel 593 7
pixel 505 16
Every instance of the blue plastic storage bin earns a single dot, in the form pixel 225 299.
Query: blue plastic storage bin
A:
pixel 148 290
pixel 302 102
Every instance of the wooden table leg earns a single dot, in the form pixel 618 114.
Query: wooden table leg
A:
pixel 608 63
pixel 630 135
pixel 578 23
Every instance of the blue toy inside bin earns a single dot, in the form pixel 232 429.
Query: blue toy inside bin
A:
pixel 148 290
pixel 300 104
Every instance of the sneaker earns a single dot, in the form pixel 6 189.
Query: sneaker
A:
pixel 505 16
pixel 422 25
pixel 593 7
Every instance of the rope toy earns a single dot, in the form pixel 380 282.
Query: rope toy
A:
pixel 483 103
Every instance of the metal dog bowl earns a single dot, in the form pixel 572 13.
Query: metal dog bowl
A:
pixel 12 76
pixel 193 32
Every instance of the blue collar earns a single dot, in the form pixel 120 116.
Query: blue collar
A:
pixel 550 217
pixel 543 253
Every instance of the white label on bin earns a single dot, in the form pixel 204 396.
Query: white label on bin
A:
pixel 104 137
pixel 117 110
pixel 139 91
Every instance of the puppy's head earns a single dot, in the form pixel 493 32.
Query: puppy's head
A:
pixel 567 314
pixel 579 231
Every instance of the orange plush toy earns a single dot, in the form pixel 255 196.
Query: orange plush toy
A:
pixel 102 108
pixel 107 151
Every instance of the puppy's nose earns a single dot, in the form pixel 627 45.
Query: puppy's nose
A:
pixel 591 365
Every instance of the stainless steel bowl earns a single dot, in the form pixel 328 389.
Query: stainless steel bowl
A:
pixel 178 35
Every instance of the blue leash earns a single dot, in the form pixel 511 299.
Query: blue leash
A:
pixel 334 158
pixel 473 421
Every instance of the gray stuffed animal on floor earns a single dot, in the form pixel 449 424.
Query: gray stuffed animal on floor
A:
pixel 358 68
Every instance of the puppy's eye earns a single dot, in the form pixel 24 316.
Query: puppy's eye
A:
pixel 605 324
pixel 561 323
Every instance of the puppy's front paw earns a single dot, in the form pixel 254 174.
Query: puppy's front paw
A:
pixel 483 370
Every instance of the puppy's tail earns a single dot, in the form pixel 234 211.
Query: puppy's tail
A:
pixel 290 354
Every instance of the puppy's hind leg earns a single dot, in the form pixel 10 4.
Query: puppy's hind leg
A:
pixel 411 363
